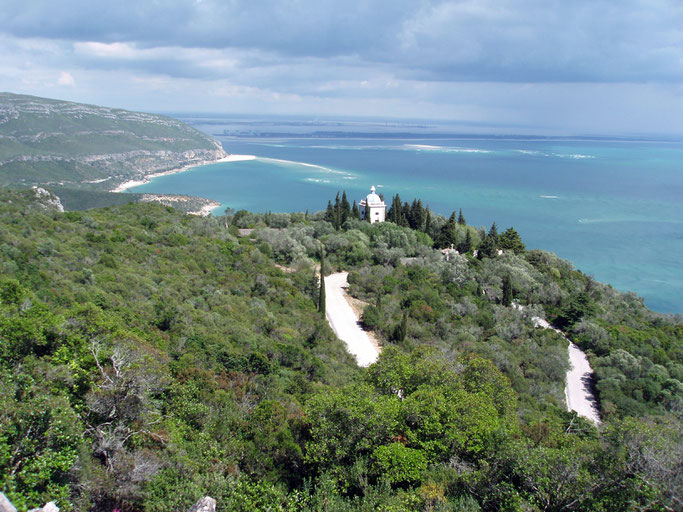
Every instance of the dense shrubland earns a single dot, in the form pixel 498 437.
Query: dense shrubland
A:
pixel 148 358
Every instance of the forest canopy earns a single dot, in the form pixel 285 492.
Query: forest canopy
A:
pixel 148 358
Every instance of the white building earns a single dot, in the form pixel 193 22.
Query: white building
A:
pixel 373 208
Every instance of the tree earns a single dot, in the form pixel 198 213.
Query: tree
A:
pixel 401 329
pixel 493 233
pixel 417 215
pixel 507 291
pixel 447 236
pixel 511 241
pixel 355 212
pixel 395 210
pixel 399 464
pixel 461 219
pixel 489 243
pixel 428 220
pixel 345 208
pixel 321 297
pixel 337 213
pixel 465 246
pixel 329 213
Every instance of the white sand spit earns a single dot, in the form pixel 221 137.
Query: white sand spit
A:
pixel 134 183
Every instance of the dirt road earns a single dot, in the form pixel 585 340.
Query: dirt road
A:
pixel 344 322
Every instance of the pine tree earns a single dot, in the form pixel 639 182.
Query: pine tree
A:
pixel 461 219
pixel 511 241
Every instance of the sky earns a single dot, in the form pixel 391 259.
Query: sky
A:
pixel 563 67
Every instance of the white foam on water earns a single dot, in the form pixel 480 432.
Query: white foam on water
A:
pixel 529 152
pixel 573 156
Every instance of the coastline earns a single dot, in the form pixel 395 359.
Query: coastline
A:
pixel 146 179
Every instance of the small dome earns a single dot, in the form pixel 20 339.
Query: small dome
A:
pixel 373 198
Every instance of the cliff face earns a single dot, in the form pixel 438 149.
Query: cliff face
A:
pixel 48 142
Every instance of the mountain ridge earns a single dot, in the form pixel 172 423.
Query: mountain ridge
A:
pixel 54 142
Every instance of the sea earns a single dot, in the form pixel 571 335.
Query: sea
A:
pixel 612 206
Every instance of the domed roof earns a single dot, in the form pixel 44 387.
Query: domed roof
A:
pixel 373 198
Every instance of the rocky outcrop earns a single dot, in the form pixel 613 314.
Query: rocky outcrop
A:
pixel 7 506
pixel 205 504
pixel 47 199
pixel 49 507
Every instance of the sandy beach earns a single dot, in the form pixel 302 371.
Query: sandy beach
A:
pixel 134 183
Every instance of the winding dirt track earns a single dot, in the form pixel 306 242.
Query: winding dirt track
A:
pixel 344 322
pixel 346 326
pixel 577 392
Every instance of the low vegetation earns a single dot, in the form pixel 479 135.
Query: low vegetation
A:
pixel 148 358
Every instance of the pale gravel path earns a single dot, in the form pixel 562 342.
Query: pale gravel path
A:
pixel 577 392
pixel 344 322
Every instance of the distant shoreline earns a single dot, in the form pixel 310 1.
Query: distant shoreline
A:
pixel 146 179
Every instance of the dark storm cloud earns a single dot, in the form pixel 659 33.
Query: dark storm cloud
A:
pixel 477 40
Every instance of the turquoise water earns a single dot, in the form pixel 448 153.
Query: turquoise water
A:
pixel 615 209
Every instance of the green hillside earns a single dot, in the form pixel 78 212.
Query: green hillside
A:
pixel 52 142
pixel 148 358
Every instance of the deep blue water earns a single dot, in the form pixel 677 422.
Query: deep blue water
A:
pixel 615 209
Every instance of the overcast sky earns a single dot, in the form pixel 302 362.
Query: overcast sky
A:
pixel 546 66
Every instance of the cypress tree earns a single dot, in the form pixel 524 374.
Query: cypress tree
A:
pixel 402 328
pixel 394 214
pixel 329 213
pixel 405 213
pixel 447 235
pixel 345 208
pixel 461 219
pixel 355 212
pixel 337 213
pixel 489 243
pixel 465 246
pixel 428 220
pixel 493 232
pixel 416 218
pixel 321 296
pixel 507 291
